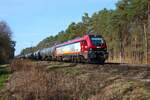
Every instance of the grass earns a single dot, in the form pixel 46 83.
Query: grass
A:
pixel 73 71
pixel 66 81
pixel 4 75
pixel 3 78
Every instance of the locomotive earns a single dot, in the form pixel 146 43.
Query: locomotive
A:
pixel 89 48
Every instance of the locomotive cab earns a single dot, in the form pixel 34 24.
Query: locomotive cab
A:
pixel 97 49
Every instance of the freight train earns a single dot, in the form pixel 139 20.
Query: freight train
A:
pixel 89 48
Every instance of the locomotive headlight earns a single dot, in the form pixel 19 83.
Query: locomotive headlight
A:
pixel 90 49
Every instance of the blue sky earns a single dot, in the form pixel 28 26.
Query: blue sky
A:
pixel 33 20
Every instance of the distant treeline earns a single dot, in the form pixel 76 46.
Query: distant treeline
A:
pixel 125 29
pixel 6 44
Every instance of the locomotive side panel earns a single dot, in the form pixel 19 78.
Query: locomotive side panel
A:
pixel 69 49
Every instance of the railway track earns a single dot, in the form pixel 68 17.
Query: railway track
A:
pixel 133 71
pixel 107 66
pixel 125 65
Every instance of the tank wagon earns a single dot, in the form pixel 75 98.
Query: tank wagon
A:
pixel 89 48
pixel 46 53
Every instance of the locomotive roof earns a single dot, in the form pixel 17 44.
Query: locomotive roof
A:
pixel 71 41
pixel 76 40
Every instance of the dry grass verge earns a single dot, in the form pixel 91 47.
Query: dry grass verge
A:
pixel 37 81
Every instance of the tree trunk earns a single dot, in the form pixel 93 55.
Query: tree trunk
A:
pixel 148 36
pixel 146 42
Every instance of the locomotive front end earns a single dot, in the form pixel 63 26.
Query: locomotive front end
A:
pixel 97 49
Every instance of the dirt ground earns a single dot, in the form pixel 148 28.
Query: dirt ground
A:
pixel 43 80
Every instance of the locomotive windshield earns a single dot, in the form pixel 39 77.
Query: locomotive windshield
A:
pixel 97 40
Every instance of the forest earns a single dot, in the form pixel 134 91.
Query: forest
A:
pixel 6 43
pixel 126 30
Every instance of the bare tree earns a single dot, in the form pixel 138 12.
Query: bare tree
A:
pixel 5 41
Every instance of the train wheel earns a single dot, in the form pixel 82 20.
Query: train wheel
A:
pixel 90 61
pixel 72 59
pixel 59 59
pixel 79 59
pixel 102 61
pixel 82 60
pixel 75 59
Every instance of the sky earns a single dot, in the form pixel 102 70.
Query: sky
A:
pixel 33 20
